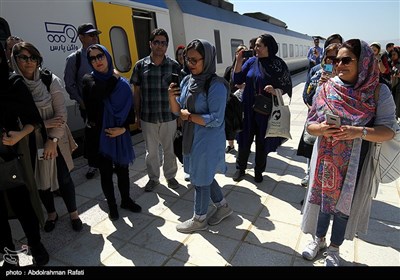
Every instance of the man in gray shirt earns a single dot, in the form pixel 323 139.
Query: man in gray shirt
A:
pixel 76 67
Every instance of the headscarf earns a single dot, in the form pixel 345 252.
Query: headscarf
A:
pixel 4 70
pixel 273 69
pixel 117 106
pixel 337 162
pixel 196 86
pixel 38 89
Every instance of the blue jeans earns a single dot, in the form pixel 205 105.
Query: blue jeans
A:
pixel 202 197
pixel 338 227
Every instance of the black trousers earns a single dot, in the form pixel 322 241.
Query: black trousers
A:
pixel 244 151
pixel 107 169
pixel 22 207
pixel 67 188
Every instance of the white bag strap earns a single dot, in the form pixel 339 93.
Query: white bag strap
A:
pixel 278 94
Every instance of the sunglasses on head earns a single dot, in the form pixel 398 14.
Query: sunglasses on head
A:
pixel 160 43
pixel 25 58
pixel 98 57
pixel 344 60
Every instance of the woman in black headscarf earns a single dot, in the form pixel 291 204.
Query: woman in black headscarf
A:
pixel 262 74
pixel 18 118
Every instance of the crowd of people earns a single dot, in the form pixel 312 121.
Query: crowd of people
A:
pixel 343 80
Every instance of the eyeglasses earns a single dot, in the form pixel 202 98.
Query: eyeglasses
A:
pixel 98 57
pixel 26 59
pixel 160 43
pixel 344 60
pixel 192 61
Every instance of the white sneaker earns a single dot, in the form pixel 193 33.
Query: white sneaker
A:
pixel 304 181
pixel 332 256
pixel 312 249
pixel 220 214
pixel 192 225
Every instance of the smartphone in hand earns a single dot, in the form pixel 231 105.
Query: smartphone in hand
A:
pixel 333 119
pixel 175 79
pixel 328 68
pixel 247 54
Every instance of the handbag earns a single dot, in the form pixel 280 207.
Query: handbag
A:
pixel 11 173
pixel 279 120
pixel 386 159
pixel 262 104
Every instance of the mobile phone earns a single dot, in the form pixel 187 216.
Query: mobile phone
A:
pixel 247 54
pixel 328 68
pixel 40 154
pixel 175 78
pixel 333 119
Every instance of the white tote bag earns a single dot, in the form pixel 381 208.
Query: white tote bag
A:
pixel 279 120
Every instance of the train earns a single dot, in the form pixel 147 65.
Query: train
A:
pixel 126 25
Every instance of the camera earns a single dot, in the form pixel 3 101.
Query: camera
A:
pixel 247 54
pixel 394 71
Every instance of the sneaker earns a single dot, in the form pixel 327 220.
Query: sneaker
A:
pixel 238 176
pixel 192 225
pixel 258 178
pixel 39 254
pixel 151 184
pixel 91 172
pixel 304 181
pixel 187 177
pixel 131 205
pixel 221 213
pixel 173 183
pixel 332 256
pixel 228 149
pixel 312 249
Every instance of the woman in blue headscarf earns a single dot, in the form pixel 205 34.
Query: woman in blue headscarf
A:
pixel 108 100
pixel 202 112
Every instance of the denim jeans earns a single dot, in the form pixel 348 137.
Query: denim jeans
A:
pixel 202 197
pixel 338 227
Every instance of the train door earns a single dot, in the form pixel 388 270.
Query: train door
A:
pixel 125 33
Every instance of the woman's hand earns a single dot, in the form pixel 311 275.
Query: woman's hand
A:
pixel 185 114
pixel 54 122
pixel 269 89
pixel 347 132
pixel 50 149
pixel 113 132
pixel 174 90
pixel 11 138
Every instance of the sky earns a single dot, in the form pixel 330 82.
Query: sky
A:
pixel 371 21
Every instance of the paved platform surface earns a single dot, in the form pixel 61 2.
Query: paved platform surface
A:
pixel 264 229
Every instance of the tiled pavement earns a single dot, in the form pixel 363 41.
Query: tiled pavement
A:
pixel 264 229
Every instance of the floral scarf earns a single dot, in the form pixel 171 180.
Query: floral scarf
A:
pixel 337 162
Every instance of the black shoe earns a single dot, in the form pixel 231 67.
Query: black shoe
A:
pixel 131 205
pixel 76 224
pixel 90 174
pixel 258 178
pixel 39 254
pixel 238 176
pixel 50 224
pixel 113 215
pixel 228 149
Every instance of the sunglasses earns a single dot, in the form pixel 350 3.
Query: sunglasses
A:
pixel 160 43
pixel 26 59
pixel 344 60
pixel 98 57
pixel 192 61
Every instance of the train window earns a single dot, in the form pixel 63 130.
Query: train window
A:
pixel 234 44
pixel 120 49
pixel 296 50
pixel 279 50
pixel 284 50
pixel 291 51
pixel 217 39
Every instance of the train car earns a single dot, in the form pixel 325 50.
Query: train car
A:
pixel 126 24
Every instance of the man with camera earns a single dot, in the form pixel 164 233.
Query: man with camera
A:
pixel 314 54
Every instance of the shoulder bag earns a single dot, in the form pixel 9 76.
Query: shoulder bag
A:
pixel 11 170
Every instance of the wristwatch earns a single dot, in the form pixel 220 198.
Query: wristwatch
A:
pixel 54 139
pixel 364 133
